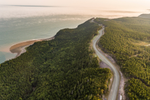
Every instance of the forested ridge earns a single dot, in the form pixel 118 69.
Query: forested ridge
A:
pixel 60 69
pixel 127 41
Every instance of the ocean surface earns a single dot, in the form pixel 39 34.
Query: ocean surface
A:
pixel 20 23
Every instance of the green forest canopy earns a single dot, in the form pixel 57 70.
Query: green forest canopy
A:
pixel 127 40
pixel 60 69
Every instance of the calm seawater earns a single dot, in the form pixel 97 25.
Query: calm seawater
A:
pixel 22 23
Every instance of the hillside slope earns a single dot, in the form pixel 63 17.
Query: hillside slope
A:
pixel 144 16
pixel 127 41
pixel 60 69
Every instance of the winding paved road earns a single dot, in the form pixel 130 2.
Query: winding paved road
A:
pixel 115 85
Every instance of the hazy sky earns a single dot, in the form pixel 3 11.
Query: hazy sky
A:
pixel 114 4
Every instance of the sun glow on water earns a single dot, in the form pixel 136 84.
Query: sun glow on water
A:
pixel 27 20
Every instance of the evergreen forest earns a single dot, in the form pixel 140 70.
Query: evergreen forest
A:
pixel 65 68
pixel 127 40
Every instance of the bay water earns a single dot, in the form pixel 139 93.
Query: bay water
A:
pixel 19 23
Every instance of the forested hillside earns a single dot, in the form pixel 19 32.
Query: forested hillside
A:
pixel 145 16
pixel 60 69
pixel 127 40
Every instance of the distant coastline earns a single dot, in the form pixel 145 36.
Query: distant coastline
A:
pixel 19 48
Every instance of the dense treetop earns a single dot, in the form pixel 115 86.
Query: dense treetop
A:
pixel 127 40
pixel 60 69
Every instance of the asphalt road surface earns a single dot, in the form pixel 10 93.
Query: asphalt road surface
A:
pixel 115 85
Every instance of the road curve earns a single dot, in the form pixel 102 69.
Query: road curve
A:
pixel 116 80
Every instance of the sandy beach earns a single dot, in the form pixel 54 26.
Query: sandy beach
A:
pixel 19 48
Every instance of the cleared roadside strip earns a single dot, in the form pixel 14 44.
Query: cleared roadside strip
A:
pixel 116 79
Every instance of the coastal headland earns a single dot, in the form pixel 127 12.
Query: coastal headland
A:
pixel 64 65
pixel 19 48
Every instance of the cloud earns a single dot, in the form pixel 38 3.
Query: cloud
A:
pixel 117 11
pixel 32 6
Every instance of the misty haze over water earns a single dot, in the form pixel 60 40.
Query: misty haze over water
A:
pixel 26 22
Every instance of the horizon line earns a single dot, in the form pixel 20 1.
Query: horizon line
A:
pixel 31 5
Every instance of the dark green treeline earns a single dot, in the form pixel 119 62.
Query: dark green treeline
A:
pixel 60 69
pixel 126 39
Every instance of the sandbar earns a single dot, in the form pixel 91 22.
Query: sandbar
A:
pixel 19 48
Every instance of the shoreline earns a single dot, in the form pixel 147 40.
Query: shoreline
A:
pixel 20 48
